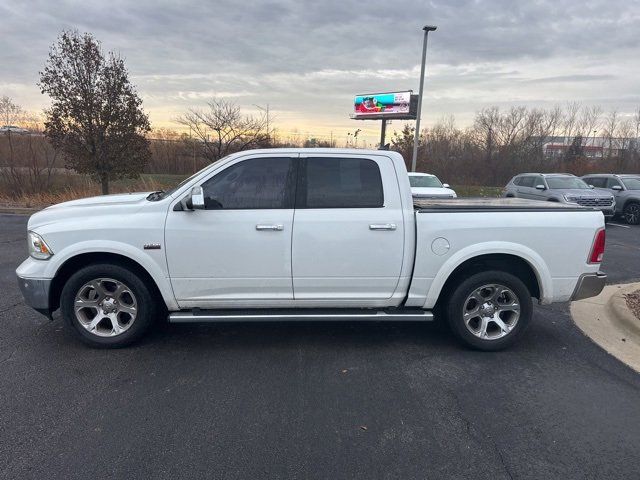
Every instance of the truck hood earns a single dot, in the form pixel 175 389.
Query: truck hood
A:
pixel 120 203
pixel 433 192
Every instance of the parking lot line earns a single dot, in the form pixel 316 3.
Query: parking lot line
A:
pixel 618 225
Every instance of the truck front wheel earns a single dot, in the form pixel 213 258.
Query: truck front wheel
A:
pixel 107 305
pixel 490 310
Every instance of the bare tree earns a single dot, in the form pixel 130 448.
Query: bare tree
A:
pixel 624 133
pixel 610 127
pixel 224 129
pixel 571 119
pixel 96 119
pixel 590 120
pixel 10 113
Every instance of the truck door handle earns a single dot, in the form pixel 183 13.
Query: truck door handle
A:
pixel 276 228
pixel 382 226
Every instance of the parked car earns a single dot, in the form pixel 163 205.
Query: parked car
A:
pixel 562 188
pixel 625 188
pixel 306 234
pixel 425 185
pixel 13 129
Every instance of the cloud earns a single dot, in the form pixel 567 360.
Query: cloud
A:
pixel 307 58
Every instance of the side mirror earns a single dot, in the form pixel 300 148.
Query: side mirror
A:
pixel 591 186
pixel 445 185
pixel 197 198
pixel 616 187
pixel 540 187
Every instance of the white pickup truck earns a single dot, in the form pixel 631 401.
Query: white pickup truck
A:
pixel 307 234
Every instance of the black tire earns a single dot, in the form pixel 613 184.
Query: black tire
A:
pixel 631 213
pixel 143 299
pixel 457 302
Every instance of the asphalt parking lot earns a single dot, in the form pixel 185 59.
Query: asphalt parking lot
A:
pixel 314 400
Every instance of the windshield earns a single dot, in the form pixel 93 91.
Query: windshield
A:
pixel 424 181
pixel 562 183
pixel 631 183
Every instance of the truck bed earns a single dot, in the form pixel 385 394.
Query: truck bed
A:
pixel 492 204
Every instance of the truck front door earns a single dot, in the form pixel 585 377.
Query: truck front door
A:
pixel 236 252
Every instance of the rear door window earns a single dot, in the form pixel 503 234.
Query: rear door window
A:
pixel 527 181
pixel 333 182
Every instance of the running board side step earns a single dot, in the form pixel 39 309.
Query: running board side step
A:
pixel 316 315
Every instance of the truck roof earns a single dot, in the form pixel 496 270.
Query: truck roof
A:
pixel 350 151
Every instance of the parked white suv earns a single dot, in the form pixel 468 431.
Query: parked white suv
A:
pixel 306 234
pixel 425 185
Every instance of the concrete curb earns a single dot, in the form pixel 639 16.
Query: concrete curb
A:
pixel 620 312
pixel 607 321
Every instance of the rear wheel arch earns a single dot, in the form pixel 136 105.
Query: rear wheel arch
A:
pixel 75 263
pixel 504 262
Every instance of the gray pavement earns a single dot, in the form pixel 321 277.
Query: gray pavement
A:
pixel 338 400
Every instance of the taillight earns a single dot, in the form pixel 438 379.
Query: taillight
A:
pixel 597 249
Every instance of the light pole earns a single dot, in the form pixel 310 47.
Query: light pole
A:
pixel 416 137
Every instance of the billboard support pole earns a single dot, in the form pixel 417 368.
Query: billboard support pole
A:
pixel 383 131
pixel 416 137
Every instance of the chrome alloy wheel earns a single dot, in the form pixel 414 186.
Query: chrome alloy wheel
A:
pixel 632 213
pixel 105 307
pixel 491 311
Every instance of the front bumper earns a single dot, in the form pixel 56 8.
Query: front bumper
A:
pixel 589 285
pixel 36 293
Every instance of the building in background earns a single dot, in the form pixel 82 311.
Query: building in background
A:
pixel 592 147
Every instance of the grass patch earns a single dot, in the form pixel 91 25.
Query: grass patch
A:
pixel 477 191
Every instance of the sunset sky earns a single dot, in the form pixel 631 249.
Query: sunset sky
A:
pixel 308 59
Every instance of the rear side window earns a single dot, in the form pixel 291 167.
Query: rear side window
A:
pixel 526 181
pixel 329 182
pixel 257 183
pixel 516 181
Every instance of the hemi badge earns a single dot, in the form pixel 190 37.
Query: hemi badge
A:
pixel 152 246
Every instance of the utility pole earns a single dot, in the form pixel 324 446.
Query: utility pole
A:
pixel 266 111
pixel 383 131
pixel 416 137
pixel 193 149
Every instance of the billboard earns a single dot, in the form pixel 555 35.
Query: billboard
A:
pixel 390 105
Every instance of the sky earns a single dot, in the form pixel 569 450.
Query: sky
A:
pixel 307 59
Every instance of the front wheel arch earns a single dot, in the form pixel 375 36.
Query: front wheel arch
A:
pixel 75 263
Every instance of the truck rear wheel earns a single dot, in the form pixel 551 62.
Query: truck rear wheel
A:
pixel 490 310
pixel 107 306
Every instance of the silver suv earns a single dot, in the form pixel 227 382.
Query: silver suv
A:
pixel 560 187
pixel 626 189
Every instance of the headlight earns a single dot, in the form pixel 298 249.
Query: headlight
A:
pixel 38 248
pixel 570 199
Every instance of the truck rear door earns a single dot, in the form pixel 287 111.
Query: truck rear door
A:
pixel 348 232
